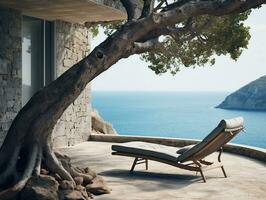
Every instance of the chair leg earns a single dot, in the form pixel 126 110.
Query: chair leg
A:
pixel 196 171
pixel 146 162
pixel 203 177
pixel 219 160
pixel 224 172
pixel 200 170
pixel 134 164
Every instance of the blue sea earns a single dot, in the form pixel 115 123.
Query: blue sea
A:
pixel 175 114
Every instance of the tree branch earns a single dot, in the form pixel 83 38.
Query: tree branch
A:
pixel 174 5
pixel 133 8
pixel 142 47
pixel 159 6
pixel 203 7
pixel 171 31
pixel 147 46
pixel 147 8
pixel 246 5
pixel 197 32
pixel 163 23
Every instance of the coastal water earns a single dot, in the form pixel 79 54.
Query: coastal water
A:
pixel 175 114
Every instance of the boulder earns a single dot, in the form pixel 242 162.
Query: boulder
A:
pixel 99 126
pixel 66 185
pixel 98 186
pixel 89 171
pixel 41 187
pixel 78 180
pixel 83 191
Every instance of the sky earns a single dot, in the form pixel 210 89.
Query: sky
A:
pixel 132 74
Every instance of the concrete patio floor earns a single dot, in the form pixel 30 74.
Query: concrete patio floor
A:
pixel 246 177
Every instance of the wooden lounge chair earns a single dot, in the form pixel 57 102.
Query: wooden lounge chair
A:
pixel 190 157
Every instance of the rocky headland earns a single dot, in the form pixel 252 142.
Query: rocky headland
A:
pixel 250 97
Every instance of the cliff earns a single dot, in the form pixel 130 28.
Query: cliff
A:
pixel 99 125
pixel 250 97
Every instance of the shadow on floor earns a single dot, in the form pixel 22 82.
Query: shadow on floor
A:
pixel 158 180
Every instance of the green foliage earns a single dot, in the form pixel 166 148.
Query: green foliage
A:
pixel 211 36
pixel 94 30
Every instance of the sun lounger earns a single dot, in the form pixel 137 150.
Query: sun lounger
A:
pixel 190 157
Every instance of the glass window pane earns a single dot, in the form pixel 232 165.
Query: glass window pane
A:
pixel 32 57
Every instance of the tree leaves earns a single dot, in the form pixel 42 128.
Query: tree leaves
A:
pixel 199 46
pixel 207 38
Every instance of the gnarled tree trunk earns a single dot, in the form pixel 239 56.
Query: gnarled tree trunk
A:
pixel 28 142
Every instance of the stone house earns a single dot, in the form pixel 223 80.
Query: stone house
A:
pixel 39 40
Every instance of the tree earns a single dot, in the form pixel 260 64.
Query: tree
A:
pixel 192 32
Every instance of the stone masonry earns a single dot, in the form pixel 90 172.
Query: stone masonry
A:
pixel 72 44
pixel 10 68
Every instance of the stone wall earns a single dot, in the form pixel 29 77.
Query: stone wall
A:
pixel 72 44
pixel 10 68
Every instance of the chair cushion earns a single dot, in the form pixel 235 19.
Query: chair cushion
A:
pixel 234 124
pixel 171 153
pixel 147 149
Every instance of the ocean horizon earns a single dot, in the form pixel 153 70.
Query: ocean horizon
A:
pixel 173 114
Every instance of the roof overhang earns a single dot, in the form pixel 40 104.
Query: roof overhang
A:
pixel 76 11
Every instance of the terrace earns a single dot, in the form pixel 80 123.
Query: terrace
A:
pixel 246 176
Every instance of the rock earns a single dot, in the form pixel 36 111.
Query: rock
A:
pixel 72 195
pixel 66 185
pixel 78 180
pixel 40 187
pixel 87 179
pixel 250 97
pixel 99 126
pixel 83 191
pixel 98 186
pixel 80 188
pixel 90 172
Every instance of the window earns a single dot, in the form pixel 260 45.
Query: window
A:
pixel 37 55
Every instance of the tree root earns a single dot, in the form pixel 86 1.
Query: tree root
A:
pixel 12 191
pixel 37 168
pixel 10 165
pixel 75 172
pixel 54 165
pixel 28 161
